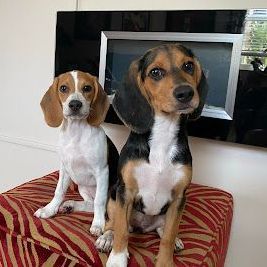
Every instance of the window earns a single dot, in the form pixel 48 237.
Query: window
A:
pixel 255 37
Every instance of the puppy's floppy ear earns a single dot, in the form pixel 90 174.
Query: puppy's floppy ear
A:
pixel 51 106
pixel 129 103
pixel 202 92
pixel 99 106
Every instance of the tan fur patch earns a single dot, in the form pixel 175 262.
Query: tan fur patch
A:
pixel 167 242
pixel 51 106
pixel 127 174
pixel 100 105
pixel 180 187
pixel 111 208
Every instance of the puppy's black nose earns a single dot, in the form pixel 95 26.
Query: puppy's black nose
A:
pixel 183 93
pixel 75 105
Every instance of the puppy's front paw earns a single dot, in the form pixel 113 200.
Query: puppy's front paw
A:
pixel 179 245
pixel 96 230
pixel 97 226
pixel 104 242
pixel 118 259
pixel 45 213
pixel 67 207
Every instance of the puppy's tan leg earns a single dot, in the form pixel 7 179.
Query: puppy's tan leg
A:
pixel 173 218
pixel 104 243
pixel 178 242
pixel 124 202
pixel 119 254
pixel 167 243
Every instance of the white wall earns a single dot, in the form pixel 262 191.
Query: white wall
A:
pixel 20 164
pixel 27 34
pixel 240 170
pixel 169 4
pixel 27 64
pixel 27 30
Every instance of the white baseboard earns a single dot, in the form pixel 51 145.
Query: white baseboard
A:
pixel 27 142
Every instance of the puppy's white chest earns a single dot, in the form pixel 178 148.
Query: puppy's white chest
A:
pixel 76 162
pixel 157 178
pixel 75 157
pixel 82 151
pixel 155 185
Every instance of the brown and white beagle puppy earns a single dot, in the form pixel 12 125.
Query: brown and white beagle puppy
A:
pixel 78 103
pixel 162 90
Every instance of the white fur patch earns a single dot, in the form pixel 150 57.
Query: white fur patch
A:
pixel 118 259
pixel 83 112
pixel 74 75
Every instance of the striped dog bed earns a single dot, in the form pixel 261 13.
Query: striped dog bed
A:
pixel 65 239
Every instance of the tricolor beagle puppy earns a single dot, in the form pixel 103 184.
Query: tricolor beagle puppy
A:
pixel 162 90
pixel 77 101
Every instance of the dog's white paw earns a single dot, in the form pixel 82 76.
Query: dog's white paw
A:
pixel 45 212
pixel 97 226
pixel 67 207
pixel 104 242
pixel 118 259
pixel 179 245
pixel 96 230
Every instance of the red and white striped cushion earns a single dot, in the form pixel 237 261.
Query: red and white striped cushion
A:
pixel 65 240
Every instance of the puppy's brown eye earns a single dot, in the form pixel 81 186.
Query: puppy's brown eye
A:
pixel 63 88
pixel 87 88
pixel 157 74
pixel 189 67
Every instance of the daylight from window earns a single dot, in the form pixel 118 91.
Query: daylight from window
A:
pixel 254 49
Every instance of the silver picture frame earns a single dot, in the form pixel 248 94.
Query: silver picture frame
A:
pixel 220 112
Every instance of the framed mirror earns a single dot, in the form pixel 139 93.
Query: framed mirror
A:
pixel 219 54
